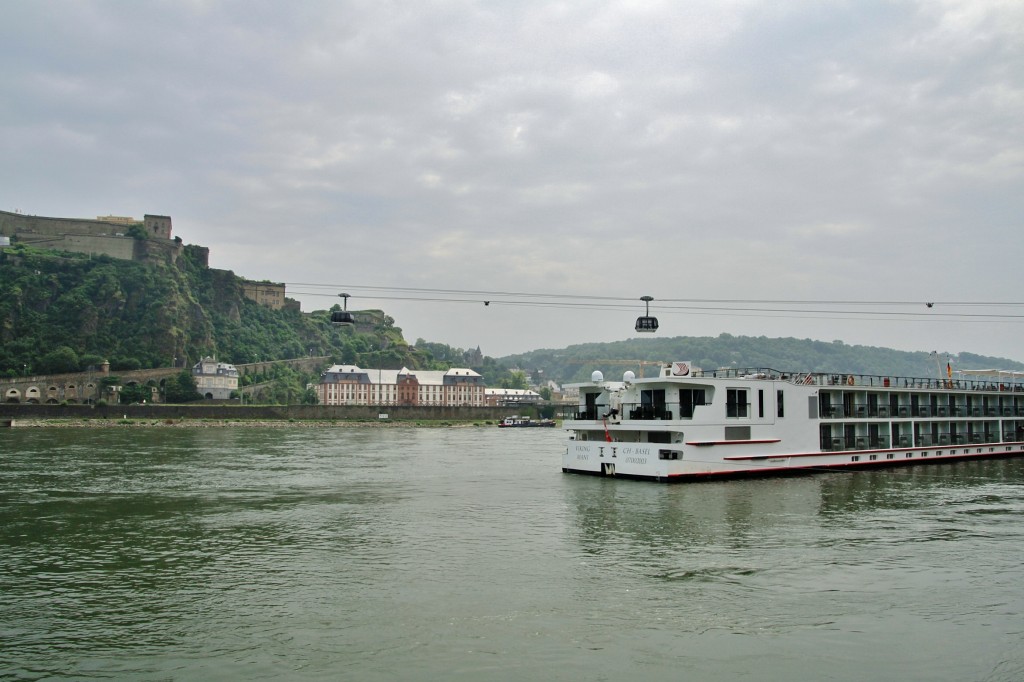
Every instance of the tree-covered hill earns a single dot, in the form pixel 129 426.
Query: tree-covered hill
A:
pixel 61 312
pixel 576 363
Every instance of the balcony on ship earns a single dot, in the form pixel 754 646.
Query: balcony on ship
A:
pixel 647 412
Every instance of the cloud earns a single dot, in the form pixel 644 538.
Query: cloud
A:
pixel 719 149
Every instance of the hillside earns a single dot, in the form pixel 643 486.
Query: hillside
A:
pixel 63 312
pixel 575 363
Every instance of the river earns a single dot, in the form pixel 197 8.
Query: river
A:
pixel 465 554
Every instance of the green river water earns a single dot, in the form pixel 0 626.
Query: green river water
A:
pixel 465 554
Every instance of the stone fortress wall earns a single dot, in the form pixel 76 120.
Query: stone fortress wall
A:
pixel 148 240
pixel 106 235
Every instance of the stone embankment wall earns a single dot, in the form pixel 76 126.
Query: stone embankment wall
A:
pixel 261 412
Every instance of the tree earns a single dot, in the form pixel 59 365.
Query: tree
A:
pixel 181 389
pixel 58 361
pixel 134 393
pixel 516 380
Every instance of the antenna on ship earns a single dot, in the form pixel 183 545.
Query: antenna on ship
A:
pixel 343 318
pixel 646 323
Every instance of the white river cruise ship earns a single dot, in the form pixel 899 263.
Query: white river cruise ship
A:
pixel 689 424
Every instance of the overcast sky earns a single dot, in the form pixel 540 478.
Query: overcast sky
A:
pixel 725 152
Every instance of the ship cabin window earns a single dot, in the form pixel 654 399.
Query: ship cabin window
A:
pixel 779 409
pixel 736 402
pixel 652 405
pixel 690 398
pixel 659 437
pixel 825 405
pixel 760 404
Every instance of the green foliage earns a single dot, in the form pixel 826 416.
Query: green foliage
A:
pixel 58 361
pixel 134 393
pixel 181 389
pixel 142 315
pixel 516 380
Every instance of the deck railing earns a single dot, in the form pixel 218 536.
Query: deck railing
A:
pixel 923 440
pixel 868 380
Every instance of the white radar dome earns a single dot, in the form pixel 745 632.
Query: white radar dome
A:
pixel 628 375
pixel 597 376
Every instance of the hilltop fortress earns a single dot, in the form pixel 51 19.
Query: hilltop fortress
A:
pixel 115 236
pixel 146 240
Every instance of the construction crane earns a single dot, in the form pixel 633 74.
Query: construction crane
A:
pixel 639 364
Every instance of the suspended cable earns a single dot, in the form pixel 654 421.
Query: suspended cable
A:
pixel 659 300
pixel 628 304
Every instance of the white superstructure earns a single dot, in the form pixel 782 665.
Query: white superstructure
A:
pixel 690 424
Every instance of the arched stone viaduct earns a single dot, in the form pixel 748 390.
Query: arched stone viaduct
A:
pixel 87 387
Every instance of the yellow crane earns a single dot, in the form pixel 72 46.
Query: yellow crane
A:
pixel 639 364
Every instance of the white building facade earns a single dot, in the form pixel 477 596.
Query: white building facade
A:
pixel 503 397
pixel 215 380
pixel 352 385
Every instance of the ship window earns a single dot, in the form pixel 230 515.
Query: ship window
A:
pixel 872 457
pixel 690 398
pixel 855 458
pixel 779 405
pixel 890 456
pixel 652 403
pixel 909 455
pixel 736 402
pixel 760 404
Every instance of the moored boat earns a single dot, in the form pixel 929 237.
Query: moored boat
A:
pixel 689 424
pixel 521 422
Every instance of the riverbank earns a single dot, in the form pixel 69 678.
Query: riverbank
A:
pixel 235 423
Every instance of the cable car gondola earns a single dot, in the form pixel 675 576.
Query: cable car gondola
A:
pixel 646 323
pixel 343 318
